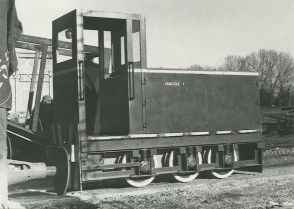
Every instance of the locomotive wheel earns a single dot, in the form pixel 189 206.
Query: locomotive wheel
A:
pixel 219 174
pixel 183 177
pixel 138 181
pixel 62 163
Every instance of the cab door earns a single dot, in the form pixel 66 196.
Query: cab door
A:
pixel 136 54
pixel 65 69
pixel 122 55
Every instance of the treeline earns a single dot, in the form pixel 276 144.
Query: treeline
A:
pixel 276 74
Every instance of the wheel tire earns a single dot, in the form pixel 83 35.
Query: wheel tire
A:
pixel 184 178
pixel 219 174
pixel 138 181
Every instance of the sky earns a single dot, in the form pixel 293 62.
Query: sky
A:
pixel 181 33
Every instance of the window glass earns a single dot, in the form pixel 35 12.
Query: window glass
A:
pixel 64 45
pixel 136 43
pixel 108 54
pixel 122 51
pixel 91 40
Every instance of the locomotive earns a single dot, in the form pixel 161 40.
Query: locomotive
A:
pixel 119 119
pixel 115 118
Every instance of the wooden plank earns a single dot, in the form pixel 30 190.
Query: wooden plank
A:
pixel 34 39
pixel 35 47
pixel 35 43
pixel 62 44
pixel 39 88
pixel 28 46
pixel 33 84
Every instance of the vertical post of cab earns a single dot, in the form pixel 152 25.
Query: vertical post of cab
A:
pixel 82 134
pixel 129 46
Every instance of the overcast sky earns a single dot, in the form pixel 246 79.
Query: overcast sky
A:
pixel 181 33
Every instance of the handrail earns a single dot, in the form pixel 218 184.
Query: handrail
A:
pixel 131 80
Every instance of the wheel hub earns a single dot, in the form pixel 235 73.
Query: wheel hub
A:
pixel 192 162
pixel 228 159
pixel 145 166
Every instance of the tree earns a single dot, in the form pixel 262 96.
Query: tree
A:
pixel 234 63
pixel 276 73
pixel 199 68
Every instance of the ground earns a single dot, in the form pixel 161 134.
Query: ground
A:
pixel 274 188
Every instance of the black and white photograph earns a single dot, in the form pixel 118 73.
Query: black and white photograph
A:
pixel 146 104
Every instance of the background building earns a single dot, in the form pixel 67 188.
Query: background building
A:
pixel 21 81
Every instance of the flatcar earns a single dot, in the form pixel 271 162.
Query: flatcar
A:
pixel 119 119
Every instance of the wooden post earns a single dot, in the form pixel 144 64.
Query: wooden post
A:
pixel 33 84
pixel 39 88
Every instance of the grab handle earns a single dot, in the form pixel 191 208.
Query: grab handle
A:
pixel 81 80
pixel 131 73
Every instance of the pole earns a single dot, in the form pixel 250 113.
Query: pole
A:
pixel 33 84
pixel 39 88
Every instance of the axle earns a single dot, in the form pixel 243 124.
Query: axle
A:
pixel 21 171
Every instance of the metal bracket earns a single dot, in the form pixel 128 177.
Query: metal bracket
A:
pixel 220 148
pixel 136 153
pixel 73 153
pixel 183 150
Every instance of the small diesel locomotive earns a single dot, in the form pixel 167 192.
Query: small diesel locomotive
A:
pixel 119 119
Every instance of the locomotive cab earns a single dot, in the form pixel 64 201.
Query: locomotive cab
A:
pixel 105 73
